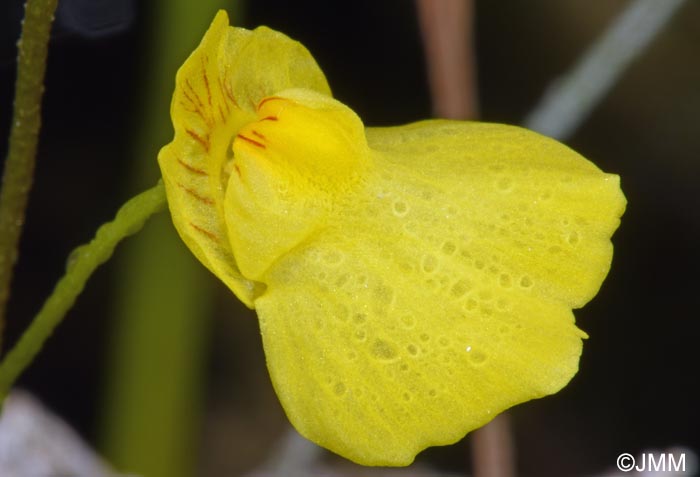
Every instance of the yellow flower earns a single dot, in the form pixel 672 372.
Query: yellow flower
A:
pixel 411 282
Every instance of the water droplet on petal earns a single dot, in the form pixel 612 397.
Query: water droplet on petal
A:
pixel 504 184
pixel 383 350
pixel 460 288
pixel 429 263
pixel 400 208
pixel 448 248
pixel 477 357
pixel 504 280
pixel 339 389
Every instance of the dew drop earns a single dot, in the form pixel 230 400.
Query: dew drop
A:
pixel 313 255
pixel 359 318
pixel 333 257
pixel 383 295
pixel 505 280
pixel 406 397
pixel 408 321
pixel 460 288
pixel 448 248
pixel 429 263
pixel 573 238
pixel 479 264
pixel 341 280
pixel 477 357
pixel 526 282
pixel 400 208
pixel 444 342
pixel 425 337
pixel 504 184
pixel 412 349
pixel 339 389
pixel 470 304
pixel 383 350
pixel 342 313
pixel 432 393
pixel 361 335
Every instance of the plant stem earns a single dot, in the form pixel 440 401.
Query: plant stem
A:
pixel 26 121
pixel 447 27
pixel 493 448
pixel 81 264
pixel 156 356
pixel 571 98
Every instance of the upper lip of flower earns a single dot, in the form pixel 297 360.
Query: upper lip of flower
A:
pixel 214 97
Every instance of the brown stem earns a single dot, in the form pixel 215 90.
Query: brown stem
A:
pixel 493 452
pixel 447 27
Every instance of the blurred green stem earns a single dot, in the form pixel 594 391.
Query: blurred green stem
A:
pixel 153 384
pixel 81 264
pixel 26 121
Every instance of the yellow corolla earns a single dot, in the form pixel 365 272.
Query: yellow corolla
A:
pixel 411 282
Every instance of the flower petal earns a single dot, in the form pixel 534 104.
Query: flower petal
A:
pixel 438 292
pixel 291 165
pixel 217 91
pixel 523 196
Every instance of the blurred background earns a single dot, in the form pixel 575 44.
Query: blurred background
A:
pixel 157 348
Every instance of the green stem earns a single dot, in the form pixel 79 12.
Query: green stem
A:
pixel 81 264
pixel 158 343
pixel 26 120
